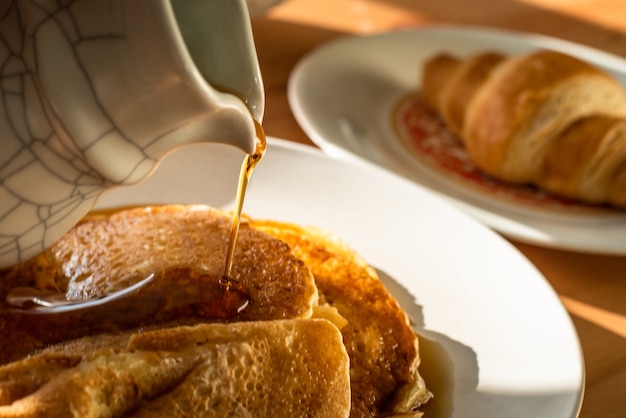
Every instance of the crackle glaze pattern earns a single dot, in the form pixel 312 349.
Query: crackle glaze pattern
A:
pixel 84 107
pixel 33 149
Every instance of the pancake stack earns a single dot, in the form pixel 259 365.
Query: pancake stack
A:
pixel 302 327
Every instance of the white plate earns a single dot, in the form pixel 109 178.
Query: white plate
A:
pixel 343 93
pixel 498 339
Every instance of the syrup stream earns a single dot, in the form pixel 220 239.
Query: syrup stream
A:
pixel 249 162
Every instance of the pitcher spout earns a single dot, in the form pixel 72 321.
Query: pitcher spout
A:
pixel 220 96
pixel 232 124
pixel 218 36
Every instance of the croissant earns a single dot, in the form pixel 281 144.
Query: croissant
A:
pixel 543 118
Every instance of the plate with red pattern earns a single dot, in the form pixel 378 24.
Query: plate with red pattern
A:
pixel 359 98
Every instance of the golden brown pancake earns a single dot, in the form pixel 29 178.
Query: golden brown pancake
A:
pixel 280 368
pixel 185 246
pixel 383 348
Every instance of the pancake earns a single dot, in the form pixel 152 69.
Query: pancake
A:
pixel 185 247
pixel 383 348
pixel 279 368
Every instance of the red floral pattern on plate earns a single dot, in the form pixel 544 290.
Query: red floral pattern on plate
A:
pixel 425 134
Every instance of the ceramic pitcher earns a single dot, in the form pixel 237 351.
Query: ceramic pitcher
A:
pixel 94 93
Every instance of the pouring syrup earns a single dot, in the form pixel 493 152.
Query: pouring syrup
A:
pixel 247 167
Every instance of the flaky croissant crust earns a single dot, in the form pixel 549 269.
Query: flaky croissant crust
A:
pixel 542 118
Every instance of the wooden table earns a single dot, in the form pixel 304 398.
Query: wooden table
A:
pixel 592 287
